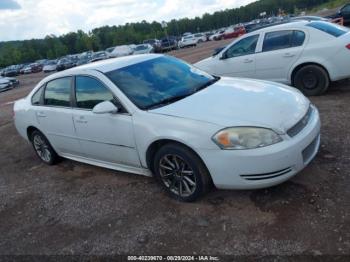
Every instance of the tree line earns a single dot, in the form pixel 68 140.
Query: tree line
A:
pixel 51 47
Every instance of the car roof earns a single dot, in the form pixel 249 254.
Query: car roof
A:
pixel 107 65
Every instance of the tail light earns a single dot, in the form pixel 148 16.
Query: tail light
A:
pixel 348 46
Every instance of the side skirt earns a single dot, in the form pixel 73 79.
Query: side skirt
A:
pixel 118 167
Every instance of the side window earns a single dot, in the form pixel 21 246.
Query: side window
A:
pixel 243 47
pixel 277 40
pixel 57 92
pixel 89 92
pixel 298 38
pixel 36 98
pixel 346 9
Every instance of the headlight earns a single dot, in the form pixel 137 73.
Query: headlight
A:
pixel 238 138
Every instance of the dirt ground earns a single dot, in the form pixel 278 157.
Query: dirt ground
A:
pixel 74 208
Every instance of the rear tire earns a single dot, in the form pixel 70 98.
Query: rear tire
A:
pixel 312 80
pixel 181 173
pixel 43 149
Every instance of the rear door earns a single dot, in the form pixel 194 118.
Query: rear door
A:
pixel 239 59
pixel 279 51
pixel 55 116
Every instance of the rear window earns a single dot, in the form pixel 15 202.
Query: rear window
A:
pixel 331 29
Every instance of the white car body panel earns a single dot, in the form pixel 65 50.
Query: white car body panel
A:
pixel 120 141
pixel 49 68
pixel 189 40
pixel 278 65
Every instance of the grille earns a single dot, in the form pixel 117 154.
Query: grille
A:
pixel 296 129
pixel 266 176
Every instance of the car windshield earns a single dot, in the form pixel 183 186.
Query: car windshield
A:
pixel 332 29
pixel 159 81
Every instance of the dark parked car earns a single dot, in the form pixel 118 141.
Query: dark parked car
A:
pixel 36 67
pixel 343 12
pixel 64 64
pixel 157 45
pixel 11 71
pixel 168 43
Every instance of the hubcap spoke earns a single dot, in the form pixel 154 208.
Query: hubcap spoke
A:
pixel 174 172
pixel 42 148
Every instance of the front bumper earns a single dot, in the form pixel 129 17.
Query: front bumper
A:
pixel 264 167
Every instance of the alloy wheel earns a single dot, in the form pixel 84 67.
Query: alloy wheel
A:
pixel 177 175
pixel 42 148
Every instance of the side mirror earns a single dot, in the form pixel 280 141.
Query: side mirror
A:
pixel 223 56
pixel 218 50
pixel 105 107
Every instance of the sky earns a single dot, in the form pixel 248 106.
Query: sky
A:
pixel 27 19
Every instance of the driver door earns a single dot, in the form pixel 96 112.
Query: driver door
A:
pixel 239 59
pixel 103 137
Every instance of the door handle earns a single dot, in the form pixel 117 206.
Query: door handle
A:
pixel 288 55
pixel 40 114
pixel 80 120
pixel 248 60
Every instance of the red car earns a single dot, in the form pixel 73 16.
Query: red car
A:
pixel 236 32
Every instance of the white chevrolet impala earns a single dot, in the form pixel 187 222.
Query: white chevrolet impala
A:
pixel 154 114
pixel 307 55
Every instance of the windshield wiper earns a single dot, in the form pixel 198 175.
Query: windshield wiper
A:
pixel 167 101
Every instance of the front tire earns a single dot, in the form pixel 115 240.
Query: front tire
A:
pixel 43 149
pixel 312 80
pixel 181 173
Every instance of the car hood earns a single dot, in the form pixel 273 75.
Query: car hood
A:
pixel 4 80
pixel 242 102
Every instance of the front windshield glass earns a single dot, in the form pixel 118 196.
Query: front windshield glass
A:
pixel 150 83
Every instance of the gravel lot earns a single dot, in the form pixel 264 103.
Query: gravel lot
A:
pixel 73 208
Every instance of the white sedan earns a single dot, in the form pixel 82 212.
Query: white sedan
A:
pixel 154 114
pixel 189 40
pixel 307 55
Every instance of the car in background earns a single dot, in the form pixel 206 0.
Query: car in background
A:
pixel 11 71
pixel 122 50
pixel 234 32
pixel 155 43
pixel 23 66
pixel 310 18
pixel 343 12
pixel 98 56
pixel 36 67
pixel 306 55
pixel 168 43
pixel 50 66
pixel 157 115
pixel 219 35
pixel 83 60
pixel 64 64
pixel 189 40
pixel 200 37
pixel 27 69
pixel 7 83
pixel 143 49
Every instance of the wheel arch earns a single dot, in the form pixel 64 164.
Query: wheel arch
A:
pixel 157 144
pixel 30 130
pixel 296 68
